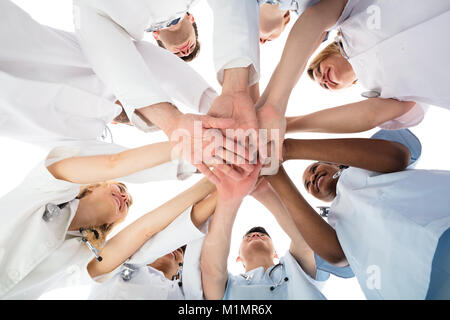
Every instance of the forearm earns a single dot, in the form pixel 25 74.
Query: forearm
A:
pixel 162 115
pixel 204 209
pixel 318 234
pixel 235 80
pixel 216 248
pixel 92 169
pixel 299 248
pixel 370 154
pixel 303 40
pixel 351 118
pixel 129 240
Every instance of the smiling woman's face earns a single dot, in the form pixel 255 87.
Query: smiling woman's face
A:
pixel 334 73
pixel 318 181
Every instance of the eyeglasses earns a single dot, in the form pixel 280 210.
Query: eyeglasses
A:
pixel 165 24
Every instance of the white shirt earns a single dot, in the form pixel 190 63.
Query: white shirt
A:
pixel 29 245
pixel 106 30
pixel 289 280
pixel 136 280
pixel 398 49
pixel 298 6
pixel 52 94
pixel 388 226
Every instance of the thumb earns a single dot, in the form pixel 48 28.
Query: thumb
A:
pixel 217 123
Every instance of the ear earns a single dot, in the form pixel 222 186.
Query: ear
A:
pixel 191 18
pixel 276 256
pixel 156 34
pixel 238 259
pixel 287 17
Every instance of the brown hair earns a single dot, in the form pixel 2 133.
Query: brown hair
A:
pixel 96 235
pixel 330 50
pixel 194 52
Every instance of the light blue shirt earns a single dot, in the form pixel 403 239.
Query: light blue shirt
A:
pixel 284 281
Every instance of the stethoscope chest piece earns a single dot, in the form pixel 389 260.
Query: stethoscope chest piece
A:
pixel 371 94
pixel 52 210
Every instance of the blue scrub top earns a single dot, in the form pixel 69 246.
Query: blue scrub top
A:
pixel 409 140
pixel 406 138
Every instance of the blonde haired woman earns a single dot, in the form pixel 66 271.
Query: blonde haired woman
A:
pixel 63 206
pixel 395 48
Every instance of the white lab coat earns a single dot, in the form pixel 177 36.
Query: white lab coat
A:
pixel 389 225
pixel 35 255
pixel 255 284
pixel 106 30
pixel 52 94
pixel 147 283
pixel 399 49
pixel 298 6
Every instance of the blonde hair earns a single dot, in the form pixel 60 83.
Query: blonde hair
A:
pixel 330 50
pixel 97 235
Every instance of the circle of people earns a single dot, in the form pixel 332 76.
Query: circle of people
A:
pixel 387 223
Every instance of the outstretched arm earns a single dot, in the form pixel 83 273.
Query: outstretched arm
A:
pixel 355 117
pixel 318 234
pixel 129 240
pixel 265 194
pixel 304 38
pixel 92 169
pixel 216 246
pixel 370 154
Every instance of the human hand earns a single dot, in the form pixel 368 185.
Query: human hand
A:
pixel 238 106
pixel 229 189
pixel 196 139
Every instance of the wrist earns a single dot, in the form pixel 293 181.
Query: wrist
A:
pixel 231 203
pixel 235 80
pixel 163 115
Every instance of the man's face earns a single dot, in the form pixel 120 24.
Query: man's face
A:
pixel 179 39
pixel 169 263
pixel 256 243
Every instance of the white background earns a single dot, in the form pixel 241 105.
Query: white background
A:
pixel 18 158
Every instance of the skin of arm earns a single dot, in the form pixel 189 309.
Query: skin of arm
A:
pixel 130 239
pixel 203 210
pixel 299 248
pixel 318 234
pixel 351 118
pixel 369 154
pixel 216 246
pixel 304 38
pixel 92 169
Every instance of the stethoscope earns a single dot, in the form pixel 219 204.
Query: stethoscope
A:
pixel 283 279
pixel 128 271
pixel 339 40
pixel 53 210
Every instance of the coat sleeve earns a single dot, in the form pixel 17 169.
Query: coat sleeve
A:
pixel 180 232
pixel 236 36
pixel 114 57
pixel 177 78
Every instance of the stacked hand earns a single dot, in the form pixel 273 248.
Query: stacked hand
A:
pixel 196 139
